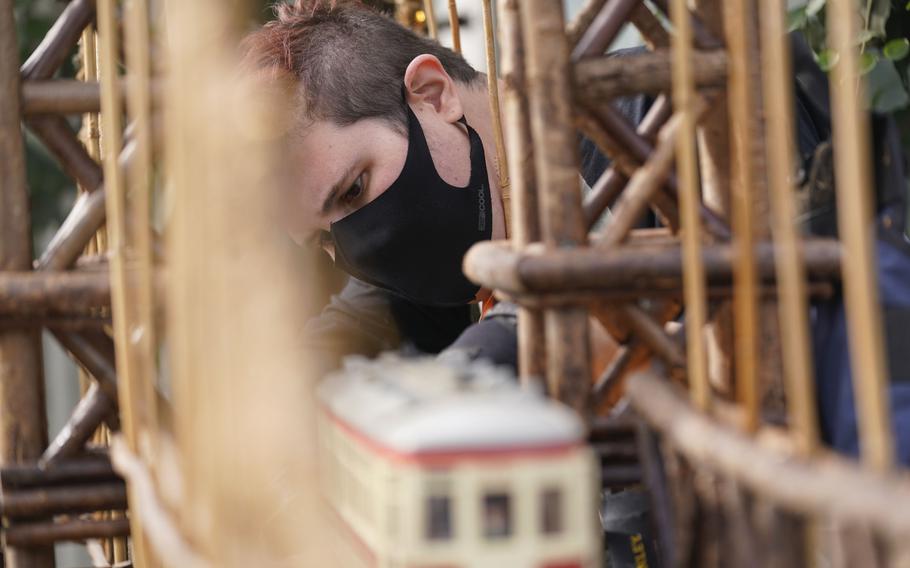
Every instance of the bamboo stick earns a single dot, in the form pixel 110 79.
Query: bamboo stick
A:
pixel 76 231
pixel 813 488
pixel 603 29
pixel 644 184
pixel 24 293
pixel 56 45
pixel 139 214
pixel 69 472
pixel 854 211
pixel 634 267
pixel 60 140
pixel 37 534
pixel 549 96
pixel 607 188
pixel 689 199
pixel 60 96
pixel 430 12
pixel 582 21
pixel 525 227
pixel 91 411
pixel 794 311
pixel 455 25
pixel 128 368
pixel 38 502
pixel 740 33
pixel 599 80
pixel 502 162
pixel 93 352
pixel 650 28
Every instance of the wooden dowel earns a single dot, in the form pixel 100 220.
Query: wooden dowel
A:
pixel 525 226
pixel 643 185
pixel 56 45
pixel 799 377
pixel 689 200
pixel 611 182
pixel 32 502
pixel 650 28
pixel 455 25
pixel 808 487
pixel 60 140
pixel 60 96
pixel 69 472
pixel 746 143
pixel 493 94
pixel 549 96
pixel 652 267
pixel 603 29
pixel 701 35
pixel 39 534
pixel 93 355
pixel 79 227
pixel 599 80
pixel 61 293
pixel 92 410
pixel 855 217
pixel 583 20
pixel 430 12
pixel 651 333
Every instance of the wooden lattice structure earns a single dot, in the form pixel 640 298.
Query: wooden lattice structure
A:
pixel 728 488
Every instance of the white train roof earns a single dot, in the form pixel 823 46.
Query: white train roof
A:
pixel 424 405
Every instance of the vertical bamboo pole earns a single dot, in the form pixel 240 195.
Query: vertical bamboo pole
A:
pixel 122 301
pixel 493 93
pixel 23 425
pixel 855 193
pixel 794 310
pixel 689 199
pixel 243 407
pixel 430 12
pixel 549 98
pixel 525 227
pixel 740 33
pixel 139 176
pixel 456 26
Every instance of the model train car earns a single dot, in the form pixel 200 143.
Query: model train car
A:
pixel 437 465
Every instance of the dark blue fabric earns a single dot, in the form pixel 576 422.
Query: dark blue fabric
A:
pixel 837 411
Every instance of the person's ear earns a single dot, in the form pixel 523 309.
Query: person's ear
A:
pixel 426 84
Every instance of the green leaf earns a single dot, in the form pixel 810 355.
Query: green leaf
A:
pixel 827 59
pixel 886 90
pixel 815 6
pixel 797 18
pixel 867 61
pixel 897 49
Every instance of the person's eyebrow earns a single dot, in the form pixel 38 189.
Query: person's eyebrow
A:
pixel 339 186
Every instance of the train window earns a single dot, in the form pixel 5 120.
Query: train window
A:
pixel 497 516
pixel 439 517
pixel 551 511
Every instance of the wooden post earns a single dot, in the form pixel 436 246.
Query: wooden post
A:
pixel 550 97
pixel 855 218
pixel 23 422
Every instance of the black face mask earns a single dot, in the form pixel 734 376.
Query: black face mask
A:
pixel 412 238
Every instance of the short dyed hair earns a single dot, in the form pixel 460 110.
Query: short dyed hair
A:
pixel 343 60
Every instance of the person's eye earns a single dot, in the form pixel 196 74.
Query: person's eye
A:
pixel 354 192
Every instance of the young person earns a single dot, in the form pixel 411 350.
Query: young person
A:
pixel 396 177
